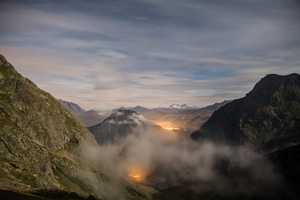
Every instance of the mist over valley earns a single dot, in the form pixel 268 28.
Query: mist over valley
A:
pixel 149 100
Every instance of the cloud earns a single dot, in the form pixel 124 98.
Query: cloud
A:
pixel 134 118
pixel 109 81
pixel 207 166
pixel 120 51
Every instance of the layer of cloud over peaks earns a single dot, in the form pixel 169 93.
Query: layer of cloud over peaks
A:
pixel 121 53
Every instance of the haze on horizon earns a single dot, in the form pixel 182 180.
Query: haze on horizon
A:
pixel 105 54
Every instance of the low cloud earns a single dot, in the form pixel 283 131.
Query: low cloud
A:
pixel 134 119
pixel 207 167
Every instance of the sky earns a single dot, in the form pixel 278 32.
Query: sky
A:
pixel 104 54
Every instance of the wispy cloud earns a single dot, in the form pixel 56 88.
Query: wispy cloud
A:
pixel 150 52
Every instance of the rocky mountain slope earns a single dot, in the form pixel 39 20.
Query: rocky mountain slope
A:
pixel 268 116
pixel 87 118
pixel 39 146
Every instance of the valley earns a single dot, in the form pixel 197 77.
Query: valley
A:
pixel 247 148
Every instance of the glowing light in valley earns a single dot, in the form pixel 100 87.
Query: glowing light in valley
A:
pixel 136 174
pixel 167 125
pixel 171 128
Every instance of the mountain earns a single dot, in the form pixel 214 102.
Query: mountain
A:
pixel 182 106
pixel 35 132
pixel 118 125
pixel 268 116
pixel 40 144
pixel 87 118
pixel 72 107
pixel 178 106
pixel 136 109
pixel 121 108
pixel 139 109
pixel 287 162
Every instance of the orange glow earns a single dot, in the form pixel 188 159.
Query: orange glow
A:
pixel 136 174
pixel 171 128
pixel 167 125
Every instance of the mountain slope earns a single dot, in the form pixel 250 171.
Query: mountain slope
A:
pixel 268 116
pixel 34 128
pixel 287 162
pixel 87 118
pixel 39 145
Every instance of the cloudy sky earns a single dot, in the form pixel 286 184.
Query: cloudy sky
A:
pixel 104 54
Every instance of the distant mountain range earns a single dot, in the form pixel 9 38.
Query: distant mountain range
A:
pixel 87 118
pixel 173 107
pixel 184 118
pixel 136 109
pixel 268 116
pixel 182 106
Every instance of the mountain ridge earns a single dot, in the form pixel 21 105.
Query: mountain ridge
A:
pixel 87 118
pixel 267 116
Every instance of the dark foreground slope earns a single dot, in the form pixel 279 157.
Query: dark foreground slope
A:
pixel 39 142
pixel 268 116
pixel 36 134
pixel 287 162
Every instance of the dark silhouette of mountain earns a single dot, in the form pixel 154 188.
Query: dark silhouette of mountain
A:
pixel 121 108
pixel 287 162
pixel 87 118
pixel 139 109
pixel 268 116
pixel 136 109
pixel 117 126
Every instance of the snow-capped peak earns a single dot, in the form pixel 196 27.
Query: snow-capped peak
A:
pixel 178 106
